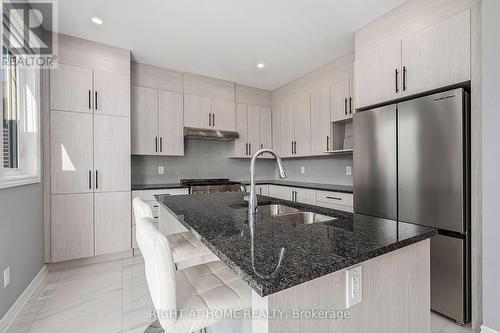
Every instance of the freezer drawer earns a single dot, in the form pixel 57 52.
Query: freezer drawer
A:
pixel 374 162
pixel 449 283
pixel 431 161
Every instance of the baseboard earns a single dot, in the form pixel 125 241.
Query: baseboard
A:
pixel 485 329
pixel 18 305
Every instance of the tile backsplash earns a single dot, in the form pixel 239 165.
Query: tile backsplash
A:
pixel 210 159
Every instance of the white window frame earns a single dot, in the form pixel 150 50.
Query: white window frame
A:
pixel 20 177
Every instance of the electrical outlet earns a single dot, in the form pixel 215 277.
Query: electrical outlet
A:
pixel 161 170
pixel 348 170
pixel 354 286
pixel 302 170
pixel 6 277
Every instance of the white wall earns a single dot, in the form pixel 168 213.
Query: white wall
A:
pixel 491 162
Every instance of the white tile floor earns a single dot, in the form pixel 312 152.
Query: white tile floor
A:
pixel 108 297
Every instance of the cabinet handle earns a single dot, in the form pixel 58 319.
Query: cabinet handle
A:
pixel 292 147
pixel 156 144
pixel 161 144
pixel 327 143
pixel 345 106
pixel 396 74
pixel 295 147
pixel 96 179
pixel 350 105
pixel 213 119
pixel 96 99
pixel 90 100
pixel 334 198
pixel 90 179
pixel 249 148
pixel 246 148
pixel 209 119
pixel 404 78
pixel 261 146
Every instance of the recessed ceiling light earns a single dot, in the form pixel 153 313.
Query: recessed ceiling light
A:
pixel 97 20
pixel 260 65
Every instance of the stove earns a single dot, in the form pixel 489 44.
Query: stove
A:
pixel 210 185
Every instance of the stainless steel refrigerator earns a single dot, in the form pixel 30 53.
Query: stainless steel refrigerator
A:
pixel 411 164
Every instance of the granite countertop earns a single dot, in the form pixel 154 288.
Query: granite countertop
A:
pixel 144 187
pixel 311 251
pixel 313 186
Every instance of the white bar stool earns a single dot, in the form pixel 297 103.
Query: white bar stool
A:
pixel 187 250
pixel 200 289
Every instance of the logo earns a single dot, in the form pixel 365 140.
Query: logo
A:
pixel 29 33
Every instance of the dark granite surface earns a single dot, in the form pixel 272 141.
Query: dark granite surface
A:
pixel 313 186
pixel 142 187
pixel 311 251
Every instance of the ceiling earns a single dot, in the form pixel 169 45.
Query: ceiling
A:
pixel 226 38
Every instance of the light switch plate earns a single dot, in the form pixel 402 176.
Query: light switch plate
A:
pixel 161 170
pixel 348 170
pixel 302 170
pixel 354 286
pixel 6 277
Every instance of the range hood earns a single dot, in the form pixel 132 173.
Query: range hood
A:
pixel 209 134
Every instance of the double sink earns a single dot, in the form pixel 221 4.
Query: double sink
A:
pixel 283 213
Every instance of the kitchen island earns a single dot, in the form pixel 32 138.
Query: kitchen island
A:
pixel 312 275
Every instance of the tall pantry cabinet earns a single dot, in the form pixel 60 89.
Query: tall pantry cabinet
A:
pixel 89 144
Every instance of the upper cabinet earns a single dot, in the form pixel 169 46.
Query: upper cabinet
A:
pixel 157 111
pixel 79 89
pixel 209 103
pixel 378 74
pixel 342 95
pixel 438 56
pixel 320 119
pixel 111 94
pixel 302 125
pixel 433 58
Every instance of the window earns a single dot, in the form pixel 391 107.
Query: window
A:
pixel 20 129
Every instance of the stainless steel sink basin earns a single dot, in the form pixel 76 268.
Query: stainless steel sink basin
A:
pixel 276 210
pixel 294 215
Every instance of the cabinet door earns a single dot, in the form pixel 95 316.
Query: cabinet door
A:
pixel 265 131
pixel 72 227
pixel 253 128
pixel 276 130
pixel 302 124
pixel 223 114
pixel 320 119
pixel 111 94
pixel 71 88
pixel 241 144
pixel 280 192
pixel 111 153
pixel 376 79
pixel 71 152
pixel 170 123
pixel 340 109
pixel 438 56
pixel 286 127
pixel 144 121
pixel 262 189
pixel 197 110
pixel 305 196
pixel 112 222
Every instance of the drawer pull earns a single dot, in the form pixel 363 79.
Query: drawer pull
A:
pixel 334 198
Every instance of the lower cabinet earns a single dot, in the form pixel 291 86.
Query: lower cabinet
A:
pixel 148 196
pixel 89 224
pixel 112 226
pixel 301 195
pixel 72 227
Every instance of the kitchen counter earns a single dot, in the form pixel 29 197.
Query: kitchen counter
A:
pixel 145 187
pixel 313 186
pixel 311 251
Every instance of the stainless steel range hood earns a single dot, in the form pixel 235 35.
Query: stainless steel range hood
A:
pixel 209 134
